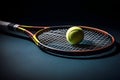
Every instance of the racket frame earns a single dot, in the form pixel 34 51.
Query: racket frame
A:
pixel 34 37
pixel 87 52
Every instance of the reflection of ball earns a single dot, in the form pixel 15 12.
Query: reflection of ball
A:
pixel 74 35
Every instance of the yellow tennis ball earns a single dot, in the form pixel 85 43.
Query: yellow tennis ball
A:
pixel 74 35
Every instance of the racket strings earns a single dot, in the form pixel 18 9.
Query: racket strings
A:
pixel 97 37
pixel 57 40
pixel 90 38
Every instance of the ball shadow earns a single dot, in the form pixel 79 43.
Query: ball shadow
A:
pixel 85 44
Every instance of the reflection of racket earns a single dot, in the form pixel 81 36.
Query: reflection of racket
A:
pixel 53 40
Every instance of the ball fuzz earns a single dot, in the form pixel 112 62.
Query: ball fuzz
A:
pixel 74 35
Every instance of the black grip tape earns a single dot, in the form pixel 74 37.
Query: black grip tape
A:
pixel 11 26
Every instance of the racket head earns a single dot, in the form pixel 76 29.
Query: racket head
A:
pixel 95 42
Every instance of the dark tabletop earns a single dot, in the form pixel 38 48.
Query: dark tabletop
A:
pixel 21 59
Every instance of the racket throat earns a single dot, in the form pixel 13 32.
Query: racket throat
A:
pixel 36 41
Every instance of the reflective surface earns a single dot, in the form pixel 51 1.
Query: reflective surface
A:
pixel 22 59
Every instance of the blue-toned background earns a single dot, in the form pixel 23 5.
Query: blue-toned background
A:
pixel 21 59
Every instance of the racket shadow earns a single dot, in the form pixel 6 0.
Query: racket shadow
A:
pixel 16 35
pixel 115 50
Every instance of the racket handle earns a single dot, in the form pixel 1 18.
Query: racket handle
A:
pixel 7 25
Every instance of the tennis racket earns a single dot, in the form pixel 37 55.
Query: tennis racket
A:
pixel 52 39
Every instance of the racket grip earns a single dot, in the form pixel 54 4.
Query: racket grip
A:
pixel 7 25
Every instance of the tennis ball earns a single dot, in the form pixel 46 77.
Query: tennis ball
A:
pixel 74 35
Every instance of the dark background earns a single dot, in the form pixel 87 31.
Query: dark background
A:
pixel 20 59
pixel 43 13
